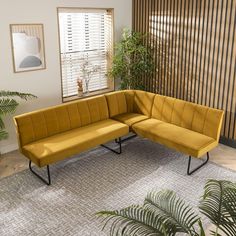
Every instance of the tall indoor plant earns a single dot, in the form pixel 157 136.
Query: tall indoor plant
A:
pixel 8 104
pixel 164 214
pixel 132 60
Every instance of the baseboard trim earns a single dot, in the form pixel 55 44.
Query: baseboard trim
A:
pixel 8 148
pixel 228 142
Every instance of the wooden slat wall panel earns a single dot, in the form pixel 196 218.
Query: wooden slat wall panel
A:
pixel 195 52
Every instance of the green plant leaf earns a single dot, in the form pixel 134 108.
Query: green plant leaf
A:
pixel 2 126
pixel 202 232
pixel 3 135
pixel 132 60
pixel 219 205
pixel 7 105
pixel 173 210
pixel 135 220
pixel 24 96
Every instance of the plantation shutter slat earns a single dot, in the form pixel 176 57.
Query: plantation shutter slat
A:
pixel 85 36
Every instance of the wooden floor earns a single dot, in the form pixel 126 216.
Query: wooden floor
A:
pixel 14 162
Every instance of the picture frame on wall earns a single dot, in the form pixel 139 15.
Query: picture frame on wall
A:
pixel 28 50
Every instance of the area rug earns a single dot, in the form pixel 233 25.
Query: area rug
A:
pixel 93 181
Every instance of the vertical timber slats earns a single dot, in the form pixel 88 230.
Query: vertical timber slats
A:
pixel 195 52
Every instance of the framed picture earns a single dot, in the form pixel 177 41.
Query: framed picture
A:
pixel 27 47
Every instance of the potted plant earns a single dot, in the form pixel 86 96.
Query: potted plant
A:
pixel 8 104
pixel 132 60
pixel 165 214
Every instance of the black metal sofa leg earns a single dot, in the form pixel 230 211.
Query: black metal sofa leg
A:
pixel 48 181
pixel 189 164
pixel 127 138
pixel 118 141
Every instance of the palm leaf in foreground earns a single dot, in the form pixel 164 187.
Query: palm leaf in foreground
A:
pixel 135 221
pixel 2 125
pixel 173 210
pixel 3 134
pixel 219 205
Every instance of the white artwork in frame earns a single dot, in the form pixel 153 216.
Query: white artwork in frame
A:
pixel 27 47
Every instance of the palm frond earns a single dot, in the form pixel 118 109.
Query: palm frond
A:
pixel 135 221
pixel 3 134
pixel 202 232
pixel 2 125
pixel 24 96
pixel 7 105
pixel 219 205
pixel 173 210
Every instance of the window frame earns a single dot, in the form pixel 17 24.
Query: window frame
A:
pixel 111 81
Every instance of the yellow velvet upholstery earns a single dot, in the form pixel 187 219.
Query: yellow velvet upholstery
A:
pixel 178 138
pixel 202 119
pixel 49 135
pixel 130 101
pixel 129 96
pixel 55 148
pixel 143 102
pixel 130 118
pixel 116 102
pixel 47 122
pixel 46 128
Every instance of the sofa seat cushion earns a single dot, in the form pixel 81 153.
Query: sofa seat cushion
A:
pixel 178 138
pixel 130 118
pixel 66 144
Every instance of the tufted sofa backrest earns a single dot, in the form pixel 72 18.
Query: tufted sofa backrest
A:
pixel 47 122
pixel 143 102
pixel 202 119
pixel 137 101
pixel 116 102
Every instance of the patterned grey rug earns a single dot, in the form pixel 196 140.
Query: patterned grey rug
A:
pixel 94 181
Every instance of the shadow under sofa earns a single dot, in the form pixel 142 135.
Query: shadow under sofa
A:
pixel 55 133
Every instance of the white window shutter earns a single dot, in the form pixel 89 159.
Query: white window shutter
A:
pixel 85 36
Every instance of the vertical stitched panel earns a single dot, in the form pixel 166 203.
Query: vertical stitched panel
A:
pixel 93 110
pixel 51 120
pixel 84 113
pixel 39 126
pixel 187 115
pixel 178 108
pixel 63 118
pixel 158 106
pixel 199 118
pixel 143 102
pixel 168 109
pixel 116 103
pixel 129 96
pixel 103 108
pixel 74 115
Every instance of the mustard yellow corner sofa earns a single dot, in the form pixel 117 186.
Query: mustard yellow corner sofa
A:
pixel 53 134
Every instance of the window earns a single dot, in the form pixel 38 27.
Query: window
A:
pixel 86 45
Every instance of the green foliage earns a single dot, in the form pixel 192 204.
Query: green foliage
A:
pixel 133 59
pixel 181 217
pixel 219 205
pixel 8 105
pixel 165 214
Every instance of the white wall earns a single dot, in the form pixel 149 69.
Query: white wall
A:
pixel 46 84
